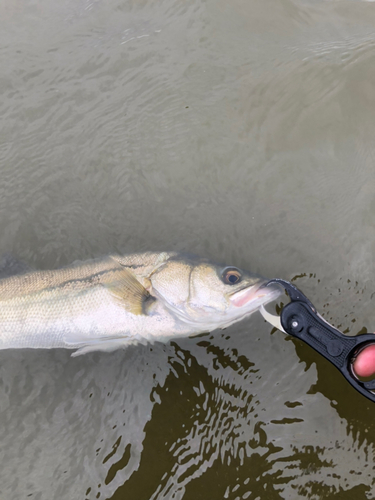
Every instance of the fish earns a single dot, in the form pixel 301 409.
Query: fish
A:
pixel 115 301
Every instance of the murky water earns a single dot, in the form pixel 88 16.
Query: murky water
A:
pixel 242 131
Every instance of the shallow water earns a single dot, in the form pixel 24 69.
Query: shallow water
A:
pixel 241 131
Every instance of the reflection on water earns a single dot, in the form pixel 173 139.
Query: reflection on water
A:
pixel 241 131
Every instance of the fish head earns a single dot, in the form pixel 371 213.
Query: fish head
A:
pixel 207 295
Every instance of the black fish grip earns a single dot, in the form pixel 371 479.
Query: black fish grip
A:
pixel 300 319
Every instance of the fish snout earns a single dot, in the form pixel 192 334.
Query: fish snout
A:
pixel 259 294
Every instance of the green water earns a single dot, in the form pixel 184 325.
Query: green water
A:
pixel 241 131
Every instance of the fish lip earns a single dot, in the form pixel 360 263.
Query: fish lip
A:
pixel 250 294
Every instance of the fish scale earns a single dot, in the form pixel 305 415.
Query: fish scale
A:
pixel 107 303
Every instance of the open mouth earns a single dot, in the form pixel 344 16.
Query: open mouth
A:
pixel 257 295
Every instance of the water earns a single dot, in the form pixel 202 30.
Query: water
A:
pixel 241 131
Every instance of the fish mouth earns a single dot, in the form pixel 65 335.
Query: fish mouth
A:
pixel 256 295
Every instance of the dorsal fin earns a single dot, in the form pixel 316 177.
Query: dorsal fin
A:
pixel 127 290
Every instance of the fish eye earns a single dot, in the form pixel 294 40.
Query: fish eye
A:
pixel 231 276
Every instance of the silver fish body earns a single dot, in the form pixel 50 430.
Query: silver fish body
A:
pixel 112 302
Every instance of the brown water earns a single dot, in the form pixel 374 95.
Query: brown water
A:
pixel 242 131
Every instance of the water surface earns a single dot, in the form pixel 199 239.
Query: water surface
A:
pixel 241 131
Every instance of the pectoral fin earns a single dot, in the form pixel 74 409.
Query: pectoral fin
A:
pixel 128 291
